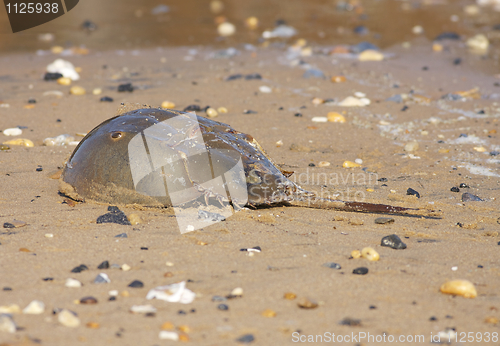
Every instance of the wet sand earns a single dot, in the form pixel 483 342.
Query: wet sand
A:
pixel 457 142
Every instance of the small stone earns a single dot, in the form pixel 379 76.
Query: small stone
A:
pixel 411 146
pixel 64 81
pixel 222 110
pixel 305 303
pixel 226 29
pixel 14 224
pixel 192 108
pixel 370 55
pixel 246 339
pixel 219 299
pixel 125 87
pixel 88 300
pixel 212 113
pixel 92 325
pixel 355 254
pixel 455 189
pixel 7 288
pixel 166 335
pixel 136 284
pixel 4 147
pixel 115 216
pixel 332 265
pixel 21 142
pixel 478 42
pixel 102 279
pixel 491 320
pixel 168 105
pixel 338 79
pixel 447 36
pixel 265 89
pixel 68 319
pixel 125 267
pixel 10 309
pixel 350 164
pixel 384 220
pixel 289 296
pixel 51 76
pixel 103 265
pixel 480 149
pixel 323 164
pixel 121 235
pixel 463 288
pixel 79 269
pixel 237 292
pixel 411 192
pixel 370 254
pixel 97 91
pixel 23 249
pixel 360 271
pixel 106 99
pixel 393 241
pixel 252 23
pixel 7 324
pixel 72 283
pixel 36 307
pixel 335 117
pixel 77 90
pixel 113 293
pixel 318 119
pixel 167 326
pixel 350 322
pixel 143 309
pixel 469 197
pixel 352 101
pixel 223 307
pixel 14 131
pixel 268 313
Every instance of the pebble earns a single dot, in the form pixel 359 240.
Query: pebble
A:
pixel 143 309
pixel 64 81
pixel 370 55
pixel 347 321
pixel 384 220
pixel 125 267
pixel 52 76
pixel 370 254
pixel 246 339
pixel 106 99
pixel 125 87
pixel 15 131
pixel 455 189
pixel 212 113
pixel 350 164
pixel 313 73
pixel 478 42
pixel 103 265
pixel 480 149
pixel 222 110
pixel 393 241
pixel 265 89
pixel 362 46
pixel 92 325
pixel 88 300
pixel 335 117
pixel 352 101
pixel 121 235
pixel 411 146
pixel 36 307
pixel 7 324
pixel 14 224
pixel 168 105
pixel 469 197
pixel 4 147
pixel 447 36
pixel 282 31
pixel 136 284
pixel 355 254
pixel 237 292
pixel 21 142
pixel 252 249
pixel 417 30
pixel 226 29
pixel 77 90
pixel 96 91
pixel 219 299
pixel 72 283
pixel 166 335
pixel 305 303
pixel 223 307
pixel 134 219
pixel 323 164
pixel 319 119
pixel 68 318
pixel 102 279
pixel 63 67
pixel 338 79
pixel 58 141
pixel 332 265
pixel 360 271
pixel 10 309
pixel 463 288
pixel 411 192
pixel 252 23
pixel 80 268
pixel 115 215
pixel 268 313
pixel 289 296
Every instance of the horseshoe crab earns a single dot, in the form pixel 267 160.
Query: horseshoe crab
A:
pixel 164 158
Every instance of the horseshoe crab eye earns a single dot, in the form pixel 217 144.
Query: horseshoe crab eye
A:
pixel 116 135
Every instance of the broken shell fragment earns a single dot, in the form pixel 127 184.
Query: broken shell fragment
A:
pixel 462 288
pixel 21 142
pixel 350 164
pixel 370 254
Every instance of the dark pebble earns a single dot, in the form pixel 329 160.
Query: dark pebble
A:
pixel 480 266
pixel 447 36
pixel 481 112
pixel 298 115
pixel 469 197
pixel 48 279
pixel 115 215
pixel 223 307
pixel 192 108
pixel 7 289
pixel 80 268
pixel 425 68
pixel 405 108
pixel 121 235
pixel 411 192
pixel 433 318
pixel 361 30
pixel 464 186
pixel 312 165
pixel 455 189
pixel 106 99
pixel 125 87
pixel 144 248
pixel 52 76
pixel 246 339
pixel 39 169
pixel 393 241
pixel 8 225
pixel 88 25
pixel 150 314
pixel 457 61
pixel 31 101
pixel 136 284
pixel 112 298
pixel 181 312
pixel 451 97
pixel 103 265
pixel 253 76
pixel 350 322
pixel 219 299
pixel 249 111
pixel 463 135
pixel 88 300
pixel 332 265
pixel 383 220
pixel 383 180
pixel 494 153
pixel 234 77
pixel 360 271
pixel 372 307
